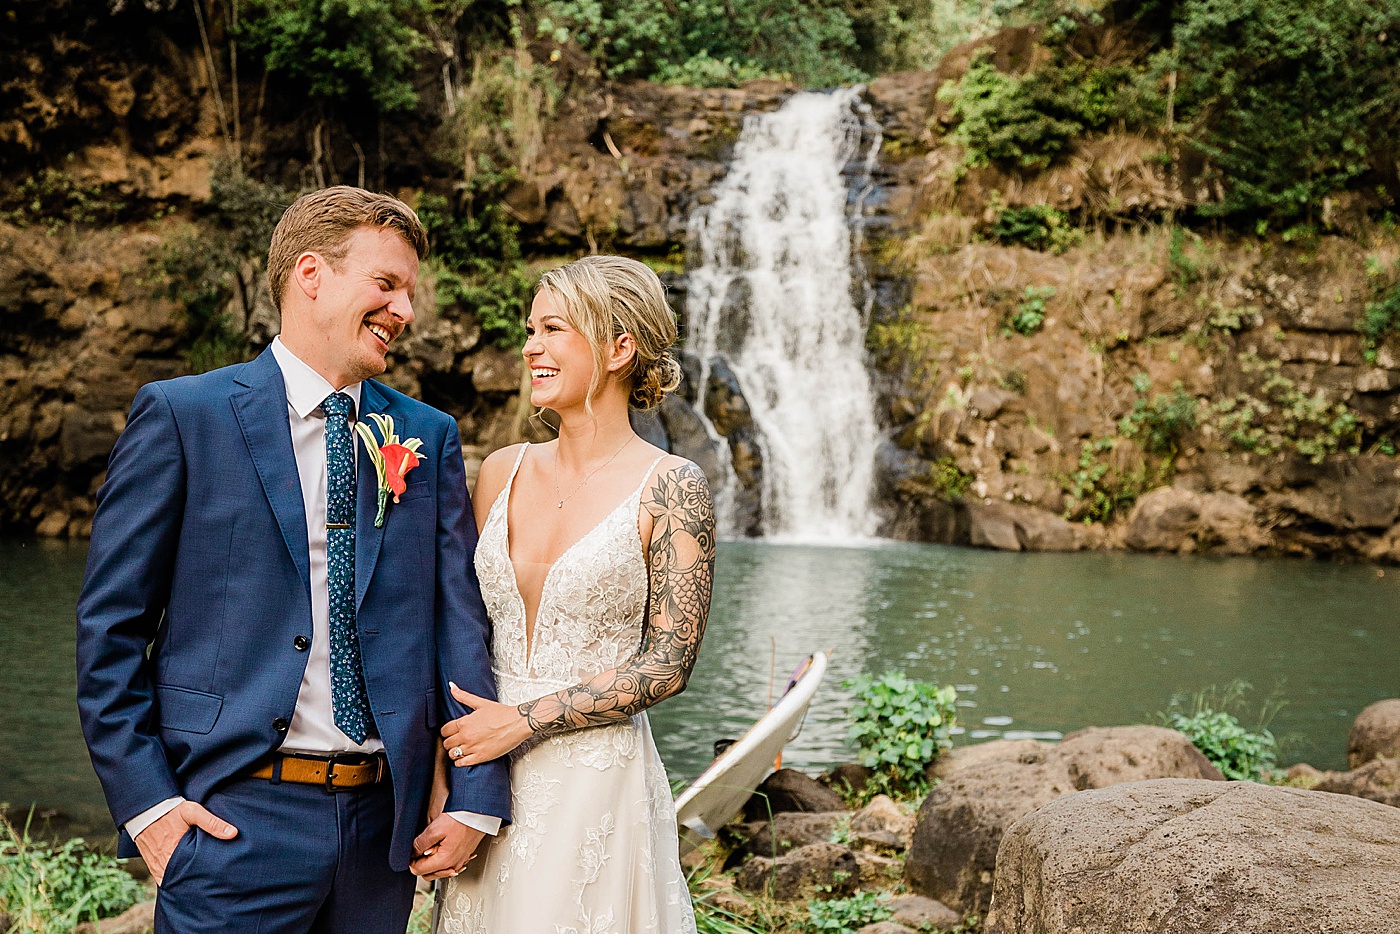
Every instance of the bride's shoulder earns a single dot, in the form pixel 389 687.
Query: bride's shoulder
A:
pixel 674 475
pixel 495 471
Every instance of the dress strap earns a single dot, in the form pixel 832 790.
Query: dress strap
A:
pixel 510 481
pixel 647 475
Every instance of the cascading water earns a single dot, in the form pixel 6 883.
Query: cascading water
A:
pixel 772 300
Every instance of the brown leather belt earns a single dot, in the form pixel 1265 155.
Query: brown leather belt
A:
pixel 334 773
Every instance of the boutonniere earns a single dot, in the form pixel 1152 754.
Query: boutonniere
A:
pixel 392 459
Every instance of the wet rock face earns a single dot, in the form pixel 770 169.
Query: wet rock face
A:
pixel 1196 857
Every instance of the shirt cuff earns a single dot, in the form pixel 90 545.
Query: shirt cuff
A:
pixel 149 816
pixel 483 822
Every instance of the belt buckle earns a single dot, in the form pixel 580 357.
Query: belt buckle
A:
pixel 350 758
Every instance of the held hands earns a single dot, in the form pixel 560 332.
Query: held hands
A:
pixel 490 731
pixel 158 841
pixel 444 848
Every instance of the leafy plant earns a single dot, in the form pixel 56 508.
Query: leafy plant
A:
pixel 342 52
pixel 713 42
pixel 1240 754
pixel 53 198
pixel 847 915
pixel 1382 317
pixel 1162 421
pixel 51 888
pixel 1097 490
pixel 1037 226
pixel 949 482
pixel 478 265
pixel 899 726
pixel 1274 414
pixel 1030 314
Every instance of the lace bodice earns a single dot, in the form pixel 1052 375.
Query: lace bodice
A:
pixel 591 607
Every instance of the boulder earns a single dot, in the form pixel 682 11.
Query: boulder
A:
pixel 1375 734
pixel 1176 519
pixel 882 824
pixel 923 913
pixel 1015 527
pixel 791 790
pixel 1199 857
pixel 998 750
pixel 961 822
pixel 849 777
pixel 138 919
pixel 876 871
pixel 1378 780
pixel 824 869
pixel 791 830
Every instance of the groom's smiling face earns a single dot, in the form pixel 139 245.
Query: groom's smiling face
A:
pixel 359 305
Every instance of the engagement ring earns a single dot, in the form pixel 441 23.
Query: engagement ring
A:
pixel 456 752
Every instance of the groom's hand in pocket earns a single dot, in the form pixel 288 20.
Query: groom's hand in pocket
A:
pixel 444 848
pixel 159 840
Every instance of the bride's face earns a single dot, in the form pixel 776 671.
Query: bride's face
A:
pixel 560 359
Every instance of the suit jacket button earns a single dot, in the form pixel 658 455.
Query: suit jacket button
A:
pixel 280 724
pixel 301 643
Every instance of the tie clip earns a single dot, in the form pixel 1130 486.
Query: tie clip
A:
pixel 339 525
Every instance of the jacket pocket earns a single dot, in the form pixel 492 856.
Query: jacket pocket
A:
pixel 186 710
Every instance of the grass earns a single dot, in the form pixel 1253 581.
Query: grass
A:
pixel 50 888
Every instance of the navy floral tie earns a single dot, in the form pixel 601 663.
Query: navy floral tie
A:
pixel 349 700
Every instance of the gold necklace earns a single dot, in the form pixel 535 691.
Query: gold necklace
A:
pixel 589 476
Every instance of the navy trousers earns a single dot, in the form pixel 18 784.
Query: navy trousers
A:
pixel 305 861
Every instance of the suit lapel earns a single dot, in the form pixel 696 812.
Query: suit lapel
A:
pixel 261 408
pixel 367 537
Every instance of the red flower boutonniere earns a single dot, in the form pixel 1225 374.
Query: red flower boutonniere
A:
pixel 392 459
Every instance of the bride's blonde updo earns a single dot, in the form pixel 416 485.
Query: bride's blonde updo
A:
pixel 605 297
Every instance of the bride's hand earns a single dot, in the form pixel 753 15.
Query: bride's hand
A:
pixel 490 731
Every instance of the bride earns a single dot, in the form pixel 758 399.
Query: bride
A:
pixel 596 558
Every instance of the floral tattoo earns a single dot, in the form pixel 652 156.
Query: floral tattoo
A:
pixel 681 559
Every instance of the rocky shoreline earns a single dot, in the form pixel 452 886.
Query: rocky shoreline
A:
pixel 1108 831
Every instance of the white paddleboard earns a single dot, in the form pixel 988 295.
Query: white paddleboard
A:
pixel 721 790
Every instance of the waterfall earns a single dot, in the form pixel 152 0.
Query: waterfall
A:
pixel 773 306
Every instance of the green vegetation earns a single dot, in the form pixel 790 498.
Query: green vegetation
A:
pixel 1162 421
pixel 847 915
pixel 1030 314
pixel 1289 102
pixel 478 264
pixel 948 481
pixel 53 198
pixel 202 268
pixel 1098 490
pixel 344 52
pixel 1037 226
pixel 1276 415
pixel 51 888
pixel 899 726
pixel 1382 317
pixel 708 42
pixel 1240 754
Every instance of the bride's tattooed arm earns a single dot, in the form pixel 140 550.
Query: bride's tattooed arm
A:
pixel 681 558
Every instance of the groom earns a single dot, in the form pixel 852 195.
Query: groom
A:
pixel 272 610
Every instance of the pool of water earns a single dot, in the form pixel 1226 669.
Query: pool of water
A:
pixel 1037 645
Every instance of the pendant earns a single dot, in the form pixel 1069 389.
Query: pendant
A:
pixel 561 505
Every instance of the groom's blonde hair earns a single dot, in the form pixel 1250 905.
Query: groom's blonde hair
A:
pixel 605 297
pixel 322 221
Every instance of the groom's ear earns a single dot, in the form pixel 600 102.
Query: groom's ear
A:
pixel 307 273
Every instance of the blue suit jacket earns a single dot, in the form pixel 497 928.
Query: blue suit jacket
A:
pixel 198 582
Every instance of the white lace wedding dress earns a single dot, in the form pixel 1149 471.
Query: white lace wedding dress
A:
pixel 592 847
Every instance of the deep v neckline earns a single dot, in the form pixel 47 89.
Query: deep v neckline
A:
pixel 532 628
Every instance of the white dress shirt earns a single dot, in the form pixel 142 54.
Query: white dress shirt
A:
pixel 313 730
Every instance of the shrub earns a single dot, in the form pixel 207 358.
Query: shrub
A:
pixel 847 915
pixel 342 51
pixel 1239 753
pixel 1274 414
pixel 1161 422
pixel 1289 102
pixel 1037 226
pixel 54 198
pixel 710 41
pixel 1382 317
pixel 478 265
pixel 949 481
pixel 1030 314
pixel 53 887
pixel 899 726
pixel 1096 489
